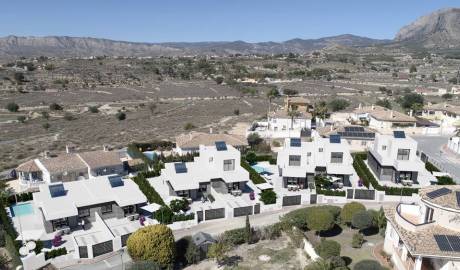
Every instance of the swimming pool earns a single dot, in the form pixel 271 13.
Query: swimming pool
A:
pixel 258 169
pixel 22 209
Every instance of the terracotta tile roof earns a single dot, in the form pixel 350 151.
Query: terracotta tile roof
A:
pixel 63 163
pixel 135 162
pixel 421 242
pixel 101 158
pixel 29 166
pixel 195 139
pixel 384 114
pixel 448 200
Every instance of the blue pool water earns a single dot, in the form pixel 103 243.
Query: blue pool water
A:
pixel 150 154
pixel 22 209
pixel 258 168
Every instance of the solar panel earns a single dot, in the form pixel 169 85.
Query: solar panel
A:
pixel 116 181
pixel 221 146
pixel 334 139
pixel 439 192
pixel 454 242
pixel 57 190
pixel 398 134
pixel 443 242
pixel 354 129
pixel 180 167
pixel 295 142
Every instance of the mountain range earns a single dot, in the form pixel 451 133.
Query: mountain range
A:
pixel 440 29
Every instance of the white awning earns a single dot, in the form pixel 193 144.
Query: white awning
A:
pixel 151 208
pixel 264 186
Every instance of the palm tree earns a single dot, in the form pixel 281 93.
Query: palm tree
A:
pixel 293 113
pixel 320 110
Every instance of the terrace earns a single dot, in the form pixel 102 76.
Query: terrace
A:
pixel 408 216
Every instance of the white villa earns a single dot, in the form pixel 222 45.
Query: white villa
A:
pixel 215 183
pixel 394 161
pixel 93 216
pixel 425 235
pixel 445 115
pixel 281 124
pixel 70 166
pixel 190 143
pixel 299 161
pixel 381 118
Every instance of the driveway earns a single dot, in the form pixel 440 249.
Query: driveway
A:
pixel 434 148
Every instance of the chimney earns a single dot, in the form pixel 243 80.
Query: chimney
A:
pixel 105 147
pixel 373 107
pixel 411 112
pixel 70 148
pixel 360 106
pixel 46 154
pixel 332 127
pixel 391 114
pixel 210 130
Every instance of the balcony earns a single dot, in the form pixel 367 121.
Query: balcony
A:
pixel 408 217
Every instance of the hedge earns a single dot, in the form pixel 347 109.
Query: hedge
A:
pixel 253 175
pixel 149 192
pixel 368 178
pixel 328 192
pixel 269 158
pixel 55 253
pixel 22 197
pixel 430 167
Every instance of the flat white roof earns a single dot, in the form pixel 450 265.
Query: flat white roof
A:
pixel 88 192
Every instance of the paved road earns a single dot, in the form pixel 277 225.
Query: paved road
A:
pixel 212 227
pixel 432 147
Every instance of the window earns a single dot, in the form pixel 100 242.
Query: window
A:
pixel 336 157
pixel 363 143
pixel 403 154
pixel 128 210
pixel 384 147
pixel 182 193
pixel 229 165
pixel 320 150
pixel 294 160
pixel 59 223
pixel 429 214
pixel 106 209
pixel 83 213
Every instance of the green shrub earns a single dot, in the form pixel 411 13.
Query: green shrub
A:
pixel 164 215
pixel 179 205
pixel 55 253
pixel 357 241
pixel 121 116
pixel 349 210
pixel 430 167
pixel 328 248
pixel 12 107
pixel 21 119
pixel 93 109
pixel 268 196
pixel 445 180
pixel 251 157
pixel 368 265
pixel 154 243
pixel 337 261
pixel 234 237
pixel 55 107
pixel 189 126
pixel 319 219
pixel 362 220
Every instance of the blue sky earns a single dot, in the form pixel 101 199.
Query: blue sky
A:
pixel 212 20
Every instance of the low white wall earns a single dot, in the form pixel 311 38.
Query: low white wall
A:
pixel 33 261
pixel 310 250
pixel 182 224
